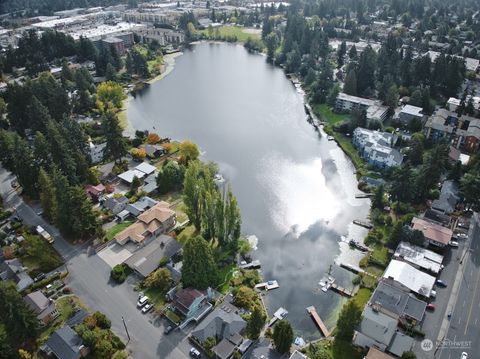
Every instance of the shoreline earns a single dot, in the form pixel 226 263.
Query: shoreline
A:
pixel 169 65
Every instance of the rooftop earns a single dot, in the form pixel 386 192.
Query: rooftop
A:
pixel 354 99
pixel 65 343
pixel 410 277
pixel 412 110
pixel 419 256
pixel 374 353
pixel 432 231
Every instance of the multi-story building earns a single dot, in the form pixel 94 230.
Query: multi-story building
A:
pixel 462 132
pixel 377 147
pixel 375 111
pixel 163 36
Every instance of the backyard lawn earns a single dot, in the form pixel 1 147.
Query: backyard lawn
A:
pixel 325 113
pixel 112 232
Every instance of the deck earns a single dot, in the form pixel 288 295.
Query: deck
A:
pixel 318 321
pixel 365 224
pixel 273 284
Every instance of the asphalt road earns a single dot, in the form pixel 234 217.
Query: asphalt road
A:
pixel 464 328
pixel 89 279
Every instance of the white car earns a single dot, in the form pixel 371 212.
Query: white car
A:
pixel 194 353
pixel 142 301
pixel 453 244
pixel 464 356
pixel 147 308
pixel 433 293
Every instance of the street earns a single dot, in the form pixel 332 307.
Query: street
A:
pixel 89 278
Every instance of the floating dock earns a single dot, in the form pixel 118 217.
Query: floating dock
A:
pixel 363 223
pixel 280 314
pixel 358 245
pixel 342 291
pixel 252 265
pixel 318 321
pixel 271 284
pixel 364 195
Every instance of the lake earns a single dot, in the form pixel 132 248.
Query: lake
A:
pixel 295 189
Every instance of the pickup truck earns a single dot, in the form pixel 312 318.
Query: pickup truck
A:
pixel 44 234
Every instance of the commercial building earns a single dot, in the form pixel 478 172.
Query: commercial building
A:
pixel 163 36
pixel 375 111
pixel 409 112
pixel 376 147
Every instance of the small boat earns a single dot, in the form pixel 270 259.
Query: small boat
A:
pixel 330 138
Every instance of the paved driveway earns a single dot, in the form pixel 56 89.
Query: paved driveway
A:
pixel 115 253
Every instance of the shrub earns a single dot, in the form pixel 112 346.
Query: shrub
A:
pixel 120 272
pixel 102 320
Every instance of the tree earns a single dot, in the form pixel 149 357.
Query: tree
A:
pixel 401 186
pixel 349 318
pixel 47 195
pixel 366 71
pixel 116 145
pixel 378 198
pixel 135 185
pixel 161 279
pixel 391 98
pixel 282 336
pixel 188 151
pixel 256 323
pixel 470 189
pixel 153 138
pixel 110 92
pixel 350 86
pixel 110 73
pixel 192 194
pixel 397 234
pixel 408 355
pixel 199 269
pixel 271 42
pixel 119 273
pixel 170 177
pixel 208 344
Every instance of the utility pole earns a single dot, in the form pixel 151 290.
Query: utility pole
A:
pixel 126 329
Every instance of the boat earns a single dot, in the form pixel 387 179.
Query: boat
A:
pixel 325 283
pixel 330 138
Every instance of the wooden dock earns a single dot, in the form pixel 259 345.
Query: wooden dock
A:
pixel 342 291
pixel 365 224
pixel 364 195
pixel 316 318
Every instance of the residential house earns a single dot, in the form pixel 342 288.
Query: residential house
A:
pixel 224 324
pixel 377 147
pixel 137 208
pixel 410 278
pixel 435 234
pixel 153 151
pixel 380 331
pixel 129 175
pixel 455 155
pixel 448 198
pixel 297 355
pixel 453 103
pixel 97 151
pixel 438 217
pixel 191 303
pixel 461 132
pixel 150 184
pixel 115 204
pixel 392 300
pixel 12 269
pixel 155 221
pixel 95 192
pixel 65 343
pixel 347 103
pixel 43 307
pixel 146 168
pixel 147 259
pixel 409 112
pixel 419 257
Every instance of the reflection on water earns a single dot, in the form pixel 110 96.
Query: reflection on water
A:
pixel 295 189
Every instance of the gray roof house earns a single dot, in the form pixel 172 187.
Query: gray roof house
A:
pixel 115 205
pixel 448 198
pixel 140 206
pixel 226 325
pixel 64 343
pixel 397 303
pixel 43 307
pixel 380 330
pixel 12 269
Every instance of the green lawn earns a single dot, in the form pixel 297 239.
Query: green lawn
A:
pixel 380 254
pixel 39 255
pixel 241 33
pixel 157 297
pixel 226 274
pixel 187 232
pixel 112 232
pixel 362 297
pixel 347 146
pixel 325 113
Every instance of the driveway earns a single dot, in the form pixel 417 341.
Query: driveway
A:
pixel 89 278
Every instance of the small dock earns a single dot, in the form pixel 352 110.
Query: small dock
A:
pixel 252 265
pixel 280 314
pixel 318 321
pixel 271 284
pixel 342 291
pixel 358 245
pixel 364 195
pixel 365 224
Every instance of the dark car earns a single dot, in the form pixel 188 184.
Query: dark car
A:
pixel 39 277
pixel 168 330
pixel 441 283
pixel 431 307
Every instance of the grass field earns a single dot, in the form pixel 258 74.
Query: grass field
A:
pixel 112 232
pixel 325 113
pixel 241 33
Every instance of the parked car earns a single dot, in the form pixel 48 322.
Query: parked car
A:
pixel 433 294
pixel 39 277
pixel 441 283
pixel 453 244
pixel 461 236
pixel 168 330
pixel 464 356
pixel 148 307
pixel 431 307
pixel 194 353
pixel 142 301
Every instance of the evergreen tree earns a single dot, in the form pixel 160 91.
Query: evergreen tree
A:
pixel 401 185
pixel 378 198
pixel 192 194
pixel 283 336
pixel 256 323
pixel 349 318
pixel 116 145
pixel 47 194
pixel 25 167
pixel 366 71
pixel 350 86
pixel 271 42
pixel 199 269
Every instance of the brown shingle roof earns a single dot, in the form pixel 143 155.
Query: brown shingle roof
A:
pixel 432 231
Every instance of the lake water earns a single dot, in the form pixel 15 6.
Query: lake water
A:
pixel 295 189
